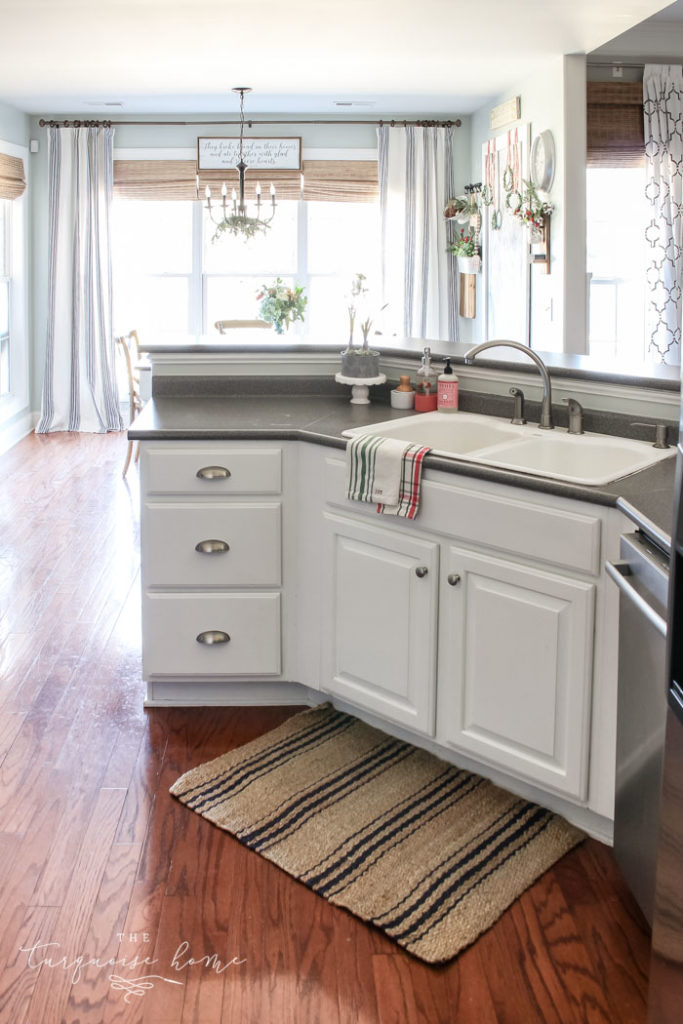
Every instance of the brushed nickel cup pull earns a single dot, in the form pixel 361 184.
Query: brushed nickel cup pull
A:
pixel 213 636
pixel 212 547
pixel 421 571
pixel 213 473
pixel 453 579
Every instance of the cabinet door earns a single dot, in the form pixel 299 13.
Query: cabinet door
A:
pixel 516 667
pixel 379 621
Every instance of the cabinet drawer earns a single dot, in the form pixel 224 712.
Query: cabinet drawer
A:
pixel 227 469
pixel 172 623
pixel 238 545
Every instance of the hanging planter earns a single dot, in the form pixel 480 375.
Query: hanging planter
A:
pixel 469 264
pixel 465 248
pixel 534 213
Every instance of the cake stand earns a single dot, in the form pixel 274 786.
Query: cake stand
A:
pixel 360 386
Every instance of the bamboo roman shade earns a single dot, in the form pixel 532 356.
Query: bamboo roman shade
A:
pixel 12 177
pixel 155 179
pixel 351 181
pixel 326 180
pixel 615 135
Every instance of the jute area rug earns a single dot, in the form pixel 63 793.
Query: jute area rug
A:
pixel 430 854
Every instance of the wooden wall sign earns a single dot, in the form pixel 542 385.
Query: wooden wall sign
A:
pixel 505 113
pixel 215 154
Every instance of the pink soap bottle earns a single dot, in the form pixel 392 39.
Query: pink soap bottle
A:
pixel 447 389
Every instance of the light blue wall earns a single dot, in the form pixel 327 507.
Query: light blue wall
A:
pixel 14 128
pixel 14 125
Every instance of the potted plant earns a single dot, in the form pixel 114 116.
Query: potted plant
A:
pixel 362 362
pixel 464 247
pixel 532 211
pixel 281 305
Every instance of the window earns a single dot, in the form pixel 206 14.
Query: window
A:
pixel 615 221
pixel 169 277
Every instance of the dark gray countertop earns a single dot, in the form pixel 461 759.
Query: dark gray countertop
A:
pixel 646 497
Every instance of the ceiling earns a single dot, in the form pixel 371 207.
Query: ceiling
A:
pixel 304 56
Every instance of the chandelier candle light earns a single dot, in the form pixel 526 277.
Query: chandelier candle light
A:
pixel 234 217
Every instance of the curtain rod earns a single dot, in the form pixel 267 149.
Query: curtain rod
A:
pixel 391 122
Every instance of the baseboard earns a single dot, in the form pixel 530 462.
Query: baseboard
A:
pixel 16 430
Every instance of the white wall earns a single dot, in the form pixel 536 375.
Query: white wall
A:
pixel 553 99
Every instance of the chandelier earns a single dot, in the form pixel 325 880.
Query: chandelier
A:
pixel 232 215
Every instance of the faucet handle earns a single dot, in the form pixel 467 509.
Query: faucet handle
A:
pixel 518 413
pixel 661 431
pixel 575 410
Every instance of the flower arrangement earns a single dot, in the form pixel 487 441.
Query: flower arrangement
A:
pixel 464 245
pixel 281 305
pixel 532 210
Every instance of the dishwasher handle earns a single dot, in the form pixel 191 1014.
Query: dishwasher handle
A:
pixel 620 572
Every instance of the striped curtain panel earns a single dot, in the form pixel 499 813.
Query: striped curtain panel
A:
pixel 415 182
pixel 663 114
pixel 79 387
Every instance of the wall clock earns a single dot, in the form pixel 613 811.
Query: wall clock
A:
pixel 542 163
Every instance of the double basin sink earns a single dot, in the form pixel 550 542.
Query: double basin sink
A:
pixel 591 459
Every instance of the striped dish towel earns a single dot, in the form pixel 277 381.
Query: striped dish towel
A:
pixel 386 471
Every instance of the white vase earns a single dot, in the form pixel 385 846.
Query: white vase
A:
pixel 468 264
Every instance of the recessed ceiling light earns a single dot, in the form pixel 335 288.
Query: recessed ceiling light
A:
pixel 103 103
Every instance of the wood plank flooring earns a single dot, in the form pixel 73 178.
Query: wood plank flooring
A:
pixel 105 879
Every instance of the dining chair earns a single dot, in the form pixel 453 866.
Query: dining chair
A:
pixel 226 325
pixel 129 346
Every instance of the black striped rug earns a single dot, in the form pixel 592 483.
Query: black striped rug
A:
pixel 430 854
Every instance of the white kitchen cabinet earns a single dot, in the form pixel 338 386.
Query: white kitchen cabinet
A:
pixel 509 669
pixel 516 624
pixel 515 667
pixel 379 620
pixel 211 538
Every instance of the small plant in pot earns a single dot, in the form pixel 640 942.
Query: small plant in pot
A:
pixel 464 246
pixel 359 361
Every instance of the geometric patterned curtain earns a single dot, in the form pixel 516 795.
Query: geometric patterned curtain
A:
pixel 663 116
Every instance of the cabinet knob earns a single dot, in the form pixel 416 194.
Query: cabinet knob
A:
pixel 213 473
pixel 453 579
pixel 213 636
pixel 421 571
pixel 212 547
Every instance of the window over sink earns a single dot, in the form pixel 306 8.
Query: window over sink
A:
pixel 169 277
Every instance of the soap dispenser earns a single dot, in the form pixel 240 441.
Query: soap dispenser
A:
pixel 447 389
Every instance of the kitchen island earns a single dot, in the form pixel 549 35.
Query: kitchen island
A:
pixel 484 630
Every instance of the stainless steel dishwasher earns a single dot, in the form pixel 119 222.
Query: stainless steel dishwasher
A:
pixel 642 575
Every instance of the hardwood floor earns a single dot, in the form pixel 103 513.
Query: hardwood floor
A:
pixel 105 878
